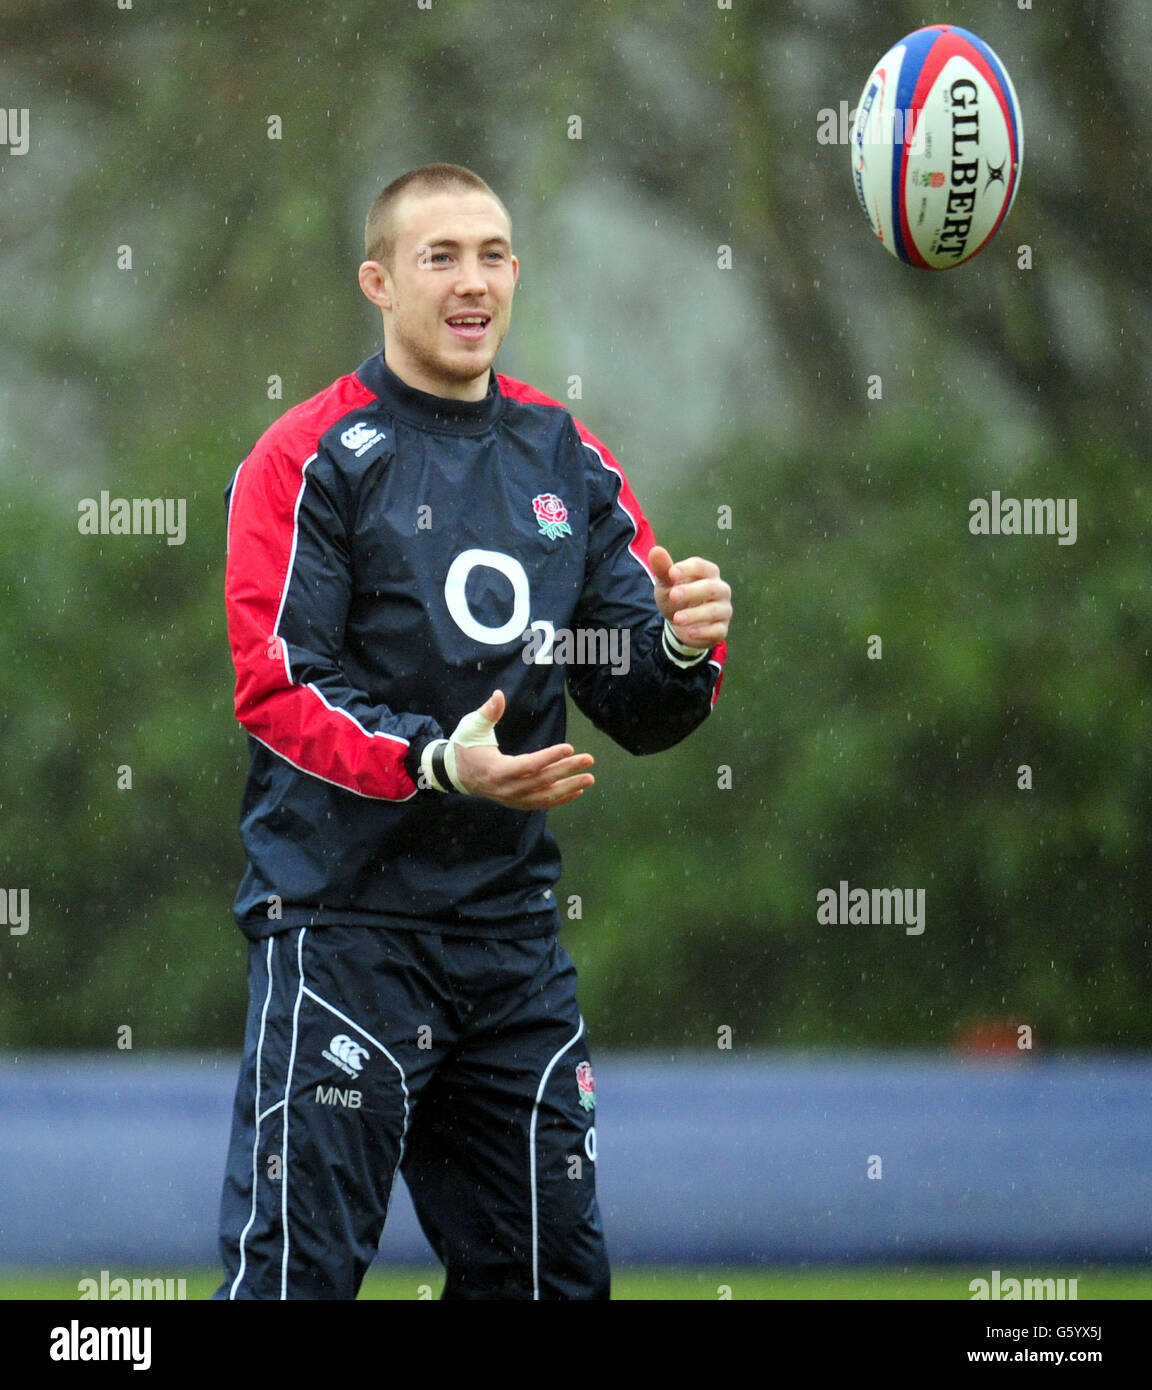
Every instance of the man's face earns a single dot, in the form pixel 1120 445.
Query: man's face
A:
pixel 446 300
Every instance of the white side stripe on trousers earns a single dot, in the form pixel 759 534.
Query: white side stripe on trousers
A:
pixel 259 1117
pixel 532 1157
pixel 288 1109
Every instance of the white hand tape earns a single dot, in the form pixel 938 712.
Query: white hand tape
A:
pixel 475 730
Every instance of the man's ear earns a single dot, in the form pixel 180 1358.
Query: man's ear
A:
pixel 376 284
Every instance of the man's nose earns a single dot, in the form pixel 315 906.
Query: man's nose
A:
pixel 471 279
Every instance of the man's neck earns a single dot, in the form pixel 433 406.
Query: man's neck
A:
pixel 474 390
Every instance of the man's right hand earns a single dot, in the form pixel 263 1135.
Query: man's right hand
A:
pixel 528 781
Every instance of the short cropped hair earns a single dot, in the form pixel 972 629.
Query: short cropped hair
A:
pixel 379 228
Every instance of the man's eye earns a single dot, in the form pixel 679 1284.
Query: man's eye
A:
pixel 439 256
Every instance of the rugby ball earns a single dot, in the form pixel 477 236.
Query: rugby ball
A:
pixel 936 146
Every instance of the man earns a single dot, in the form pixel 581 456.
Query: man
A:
pixel 407 551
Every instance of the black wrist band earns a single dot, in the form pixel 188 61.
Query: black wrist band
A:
pixel 440 767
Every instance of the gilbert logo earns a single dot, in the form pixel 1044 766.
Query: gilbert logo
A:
pixel 361 436
pixel 349 1056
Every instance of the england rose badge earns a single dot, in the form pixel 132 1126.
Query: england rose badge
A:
pixel 552 515
pixel 587 1085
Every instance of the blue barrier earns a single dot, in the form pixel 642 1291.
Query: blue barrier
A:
pixel 117 1162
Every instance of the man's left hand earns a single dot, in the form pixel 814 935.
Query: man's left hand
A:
pixel 693 598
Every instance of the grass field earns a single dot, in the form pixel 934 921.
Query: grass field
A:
pixel 675 1285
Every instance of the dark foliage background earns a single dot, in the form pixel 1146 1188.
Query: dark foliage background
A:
pixel 742 388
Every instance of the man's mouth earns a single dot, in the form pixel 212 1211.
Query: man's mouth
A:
pixel 471 326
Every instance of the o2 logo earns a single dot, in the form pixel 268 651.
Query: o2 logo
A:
pixel 455 586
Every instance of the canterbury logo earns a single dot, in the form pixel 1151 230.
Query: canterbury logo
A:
pixel 361 436
pixel 349 1056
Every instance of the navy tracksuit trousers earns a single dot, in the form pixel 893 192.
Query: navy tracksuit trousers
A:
pixel 460 1061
